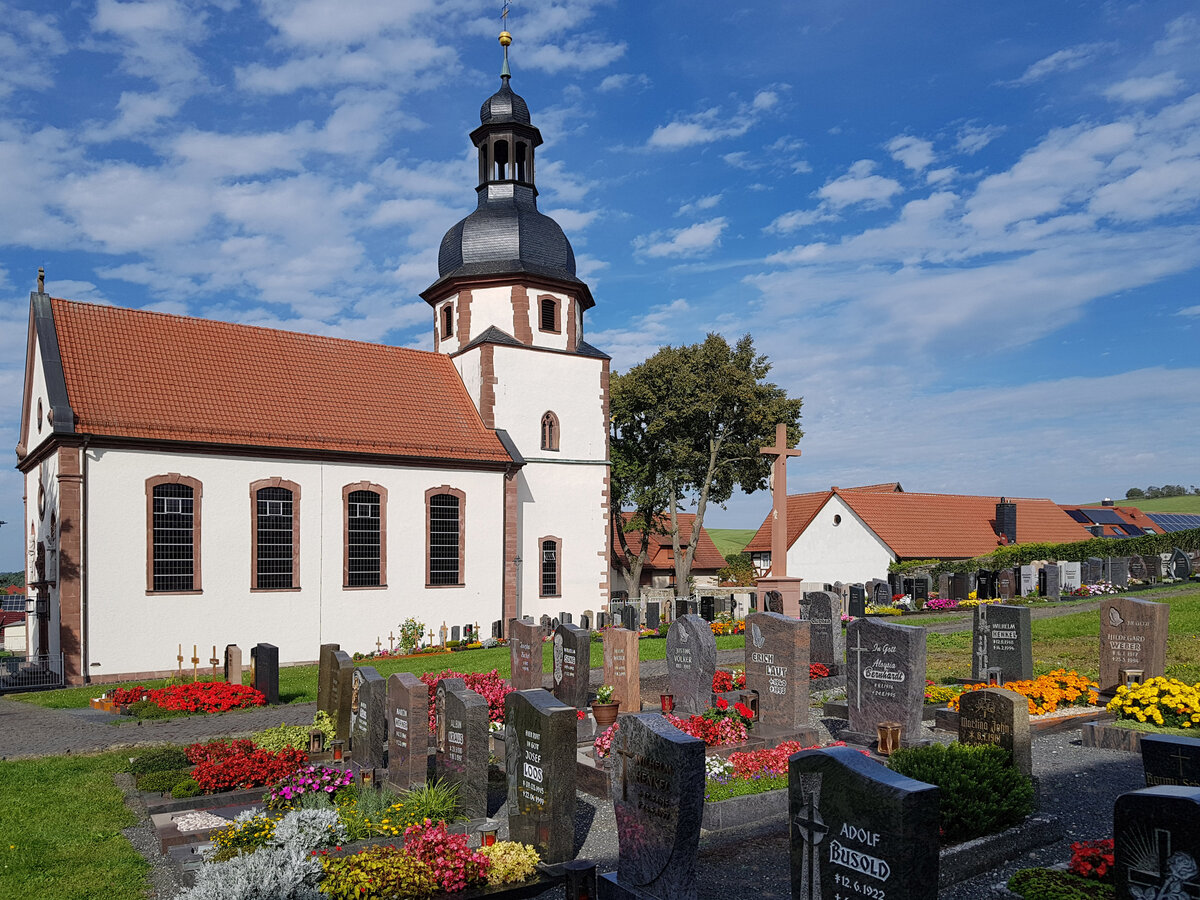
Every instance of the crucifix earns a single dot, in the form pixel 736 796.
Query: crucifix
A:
pixel 779 527
pixel 982 635
pixel 213 661
pixel 195 664
pixel 860 650
pixel 1166 876
pixel 180 658
pixel 430 637
pixel 628 756
pixel 391 642
pixel 812 830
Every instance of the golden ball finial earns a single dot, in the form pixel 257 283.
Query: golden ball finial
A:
pixel 505 39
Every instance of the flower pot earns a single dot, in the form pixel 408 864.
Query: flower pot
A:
pixel 604 714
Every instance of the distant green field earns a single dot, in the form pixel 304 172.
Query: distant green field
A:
pixel 732 540
pixel 1183 505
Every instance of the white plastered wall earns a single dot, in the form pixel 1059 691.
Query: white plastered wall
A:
pixel 37 528
pixel 849 551
pixel 38 394
pixel 131 631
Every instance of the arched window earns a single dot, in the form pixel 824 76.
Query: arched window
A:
pixel 445 511
pixel 549 431
pixel 501 156
pixel 448 320
pixel 520 162
pixel 364 535
pixel 173 533
pixel 548 315
pixel 275 505
pixel 550 560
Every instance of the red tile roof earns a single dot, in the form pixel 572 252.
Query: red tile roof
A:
pixel 138 374
pixel 662 556
pixel 800 511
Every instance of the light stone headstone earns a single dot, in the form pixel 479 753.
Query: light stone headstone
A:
pixel 997 716
pixel 622 668
pixel 1071 575
pixel 539 757
pixel 525 653
pixel 1003 639
pixel 233 664
pixel 777 657
pixel 885 676
pixel 1133 635
pixel 691 664
pixel 1028 580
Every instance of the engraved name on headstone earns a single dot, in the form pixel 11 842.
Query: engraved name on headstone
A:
pixel 408 730
pixel 1003 640
pixel 691 664
pixel 997 716
pixel 539 755
pixel 777 657
pixel 885 676
pixel 1133 635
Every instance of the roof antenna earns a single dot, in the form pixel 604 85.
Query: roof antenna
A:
pixel 41 279
pixel 505 39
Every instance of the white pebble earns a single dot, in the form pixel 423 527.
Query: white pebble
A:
pixel 194 821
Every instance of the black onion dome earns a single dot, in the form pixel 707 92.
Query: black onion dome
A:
pixel 504 106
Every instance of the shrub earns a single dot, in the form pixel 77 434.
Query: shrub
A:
pixel 411 631
pixel 981 791
pixel 274 739
pixel 189 787
pixel 1052 884
pixel 435 800
pixel 307 829
pixel 159 761
pixel 511 862
pixel 249 831
pixel 162 782
pixel 377 872
pixel 371 812
pixel 454 864
pixel 224 765
pixel 269 874
pixel 490 685
pixel 714 732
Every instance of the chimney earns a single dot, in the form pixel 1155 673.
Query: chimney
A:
pixel 1006 520
pixel 1107 501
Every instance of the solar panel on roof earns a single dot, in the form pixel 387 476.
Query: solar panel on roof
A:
pixel 1103 516
pixel 1079 516
pixel 1175 521
pixel 12 603
pixel 1132 530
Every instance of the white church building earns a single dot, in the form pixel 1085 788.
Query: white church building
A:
pixel 193 482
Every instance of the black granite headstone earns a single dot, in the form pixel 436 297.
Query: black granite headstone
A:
pixel 572 662
pixel 920 590
pixel 653 614
pixel 539 756
pixel 882 596
pixel 985 584
pixel 342 693
pixel 822 610
pixel 658 799
pixel 498 629
pixel 960 586
pixel 773 602
pixel 601 620
pixel 264 671
pixel 858 601
pixel 691 664
pixel 1048 581
pixel 462 744
pixel 585 621
pixel 326 672
pixel 1138 568
pixel 1168 759
pixel 858 829
pixel 631 618
pixel 1093 570
pixel 1003 640
pixel 368 718
pixel 1157 843
pixel 708 609
pixel 1181 566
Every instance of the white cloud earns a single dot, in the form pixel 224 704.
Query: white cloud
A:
pixel 573 219
pixel 914 153
pixel 1183 33
pixel 576 55
pixel 622 81
pixel 1065 60
pixel 714 124
pixel 973 138
pixel 765 100
pixel 26 37
pixel 799 218
pixel 1139 90
pixel 859 185
pixel 699 204
pixel 940 176
pixel 641 336
pixel 1189 311
pixel 694 240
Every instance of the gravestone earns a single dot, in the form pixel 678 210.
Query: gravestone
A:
pixel 564 618
pixel 544 622
pixel 326 672
pixel 585 621
pixel 1000 717
pixel 622 670
pixel 881 597
pixel 1028 580
pixel 657 783
pixel 908 586
pixel 885 677
pixel 691 664
pixel 777 657
pixel 368 718
pixel 858 602
pixel 539 758
pixel 985 584
pixel 1005 584
pixel 631 618
pixel 653 614
pixel 823 610
pixel 960 586
pixel 455 633
pixel 858 829
pixel 1181 566
pixel 408 730
pixel 264 671
pixel 498 629
pixel 773 602
pixel 601 620
pixel 944 585
pixel 1118 571
pixel 1171 759
pixel 572 658
pixel 525 653
pixel 342 693
pixel 554 623
pixel 1094 571
pixel 1133 635
pixel 708 609
pixel 1003 639
pixel 1157 843
pixel 1071 575
pixel 233 664
pixel 1048 581
pixel 895 583
pixel 462 744
pixel 1138 569
pixel 920 590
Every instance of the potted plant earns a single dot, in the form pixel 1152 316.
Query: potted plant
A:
pixel 604 708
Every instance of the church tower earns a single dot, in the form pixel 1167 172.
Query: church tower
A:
pixel 508 310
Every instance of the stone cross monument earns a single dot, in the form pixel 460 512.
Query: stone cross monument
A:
pixel 778 580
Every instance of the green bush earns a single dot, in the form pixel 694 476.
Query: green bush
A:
pixel 981 791
pixel 276 739
pixel 436 801
pixel 148 709
pixel 1053 884
pixel 450 645
pixel 162 782
pixel 189 787
pixel 377 872
pixel 159 761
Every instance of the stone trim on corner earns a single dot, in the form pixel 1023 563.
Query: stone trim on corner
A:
pixel 520 304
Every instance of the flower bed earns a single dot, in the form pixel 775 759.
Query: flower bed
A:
pixel 1094 590
pixel 1047 692
pixel 1164 702
pixel 226 765
pixel 490 685
pixel 199 696
pixel 308 780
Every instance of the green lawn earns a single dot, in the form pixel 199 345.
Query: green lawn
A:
pixel 298 684
pixel 1182 505
pixel 60 831
pixel 731 540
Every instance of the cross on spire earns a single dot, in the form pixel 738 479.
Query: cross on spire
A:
pixel 779 525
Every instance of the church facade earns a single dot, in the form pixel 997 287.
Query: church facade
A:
pixel 199 483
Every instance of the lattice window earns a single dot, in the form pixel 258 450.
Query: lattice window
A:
pixel 363 539
pixel 444 539
pixel 549 431
pixel 548 310
pixel 549 568
pixel 448 320
pixel 173 537
pixel 275 538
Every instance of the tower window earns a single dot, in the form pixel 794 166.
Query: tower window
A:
pixel 520 162
pixel 549 431
pixel 448 320
pixel 548 314
pixel 501 152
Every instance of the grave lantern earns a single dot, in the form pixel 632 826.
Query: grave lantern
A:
pixel 994 675
pixel 750 699
pixel 316 741
pixel 581 879
pixel 488 829
pixel 889 737
pixel 337 750
pixel 1130 677
pixel 667 701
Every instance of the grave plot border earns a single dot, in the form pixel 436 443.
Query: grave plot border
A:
pixel 1104 735
pixel 947 720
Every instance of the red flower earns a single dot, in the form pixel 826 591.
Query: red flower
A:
pixel 722 704
pixel 743 710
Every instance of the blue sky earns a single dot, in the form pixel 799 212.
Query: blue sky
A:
pixel 967 234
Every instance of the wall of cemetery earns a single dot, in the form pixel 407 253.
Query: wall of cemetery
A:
pixel 838 546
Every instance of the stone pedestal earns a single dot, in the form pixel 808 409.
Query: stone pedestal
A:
pixel 789 588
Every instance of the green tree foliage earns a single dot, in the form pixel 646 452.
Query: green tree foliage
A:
pixel 1135 493
pixel 738 569
pixel 8 579
pixel 687 425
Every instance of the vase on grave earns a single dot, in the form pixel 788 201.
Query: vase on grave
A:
pixel 604 714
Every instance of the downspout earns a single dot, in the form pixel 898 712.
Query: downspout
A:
pixel 85 525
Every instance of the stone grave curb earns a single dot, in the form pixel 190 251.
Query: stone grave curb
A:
pixel 947 720
pixel 1104 736
pixel 157 803
pixel 751 808
pixel 974 857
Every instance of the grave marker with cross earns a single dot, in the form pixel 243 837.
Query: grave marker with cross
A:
pixel 812 829
pixel 195 664
pixel 214 661
pixel 180 658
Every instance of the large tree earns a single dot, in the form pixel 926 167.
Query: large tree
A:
pixel 687 427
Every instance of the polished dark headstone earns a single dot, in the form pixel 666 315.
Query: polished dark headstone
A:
pixel 858 829
pixel 622 668
pixel 525 653
pixel 1168 759
pixel 1181 566
pixel 1003 639
pixel 1049 585
pixel 777 657
pixel 264 671
pixel 1157 838
pixel 881 596
pixel 233 664
pixel 653 613
pixel 498 629
pixel 1138 568
pixel 326 673
pixel 997 716
pixel 823 611
pixel 539 757
pixel 920 589
pixel 544 621
pixel 1006 584
pixel 572 658
pixel 1133 635
pixel 658 798
pixel 631 618
pixel 858 602
pixel 341 694
pixel 1093 570
pixel 1118 571
pixel 960 586
pixel 773 602
pixel 461 741
pixel 601 620
pixel 408 730
pixel 708 609
pixel 368 717
pixel 885 676
pixel 685 606
pixel 691 664
pixel 455 633
pixel 585 621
